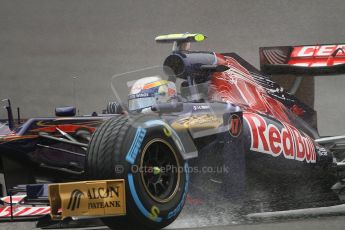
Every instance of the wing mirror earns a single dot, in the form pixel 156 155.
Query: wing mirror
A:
pixel 66 111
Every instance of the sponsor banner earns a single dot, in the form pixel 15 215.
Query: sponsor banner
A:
pixel 317 55
pixel 279 138
pixel 88 198
pixel 317 51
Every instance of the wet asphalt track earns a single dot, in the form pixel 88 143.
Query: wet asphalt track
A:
pixel 322 223
pixel 43 44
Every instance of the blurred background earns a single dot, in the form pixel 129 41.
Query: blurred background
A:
pixel 44 44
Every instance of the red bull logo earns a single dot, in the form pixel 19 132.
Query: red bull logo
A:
pixel 286 140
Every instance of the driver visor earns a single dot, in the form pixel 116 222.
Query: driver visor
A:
pixel 141 102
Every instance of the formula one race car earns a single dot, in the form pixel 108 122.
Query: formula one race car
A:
pixel 133 165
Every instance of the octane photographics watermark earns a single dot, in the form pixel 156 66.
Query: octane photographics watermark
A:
pixel 156 170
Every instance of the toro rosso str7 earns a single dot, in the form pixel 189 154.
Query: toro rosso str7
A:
pixel 131 165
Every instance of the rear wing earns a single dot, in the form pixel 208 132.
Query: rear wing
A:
pixel 308 60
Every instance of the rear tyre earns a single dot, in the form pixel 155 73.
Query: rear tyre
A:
pixel 142 151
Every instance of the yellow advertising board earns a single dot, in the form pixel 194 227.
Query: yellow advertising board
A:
pixel 87 198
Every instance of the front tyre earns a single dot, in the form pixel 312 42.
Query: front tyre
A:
pixel 143 151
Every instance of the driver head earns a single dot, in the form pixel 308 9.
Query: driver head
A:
pixel 150 91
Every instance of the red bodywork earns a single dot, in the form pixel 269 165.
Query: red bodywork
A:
pixel 238 86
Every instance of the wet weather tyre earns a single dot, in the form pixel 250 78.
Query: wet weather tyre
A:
pixel 143 151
